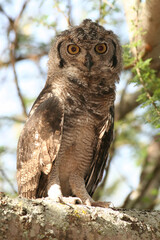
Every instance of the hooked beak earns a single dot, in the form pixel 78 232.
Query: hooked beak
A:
pixel 88 61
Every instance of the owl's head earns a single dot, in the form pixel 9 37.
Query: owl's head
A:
pixel 87 49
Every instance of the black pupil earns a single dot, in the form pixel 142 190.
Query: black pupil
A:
pixel 73 49
pixel 100 48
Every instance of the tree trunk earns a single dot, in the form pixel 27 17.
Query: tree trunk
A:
pixel 43 219
pixel 146 15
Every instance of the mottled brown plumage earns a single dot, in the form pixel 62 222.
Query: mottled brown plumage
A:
pixel 63 148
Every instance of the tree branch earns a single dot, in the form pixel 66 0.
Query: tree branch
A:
pixel 12 54
pixel 14 119
pixel 22 219
pixel 33 57
pixel 128 104
pixel 146 194
pixel 6 15
pixel 7 180
pixel 21 12
pixel 70 21
pixel 13 46
pixel 66 16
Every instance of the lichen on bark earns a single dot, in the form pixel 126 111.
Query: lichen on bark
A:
pixel 22 219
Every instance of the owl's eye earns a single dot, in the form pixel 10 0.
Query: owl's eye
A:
pixel 73 49
pixel 101 48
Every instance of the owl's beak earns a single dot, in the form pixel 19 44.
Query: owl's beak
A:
pixel 88 61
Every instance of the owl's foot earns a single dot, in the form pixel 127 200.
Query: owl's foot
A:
pixel 65 200
pixel 102 204
pixel 71 200
pixel 54 193
pixel 56 199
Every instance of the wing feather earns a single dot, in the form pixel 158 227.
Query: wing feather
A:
pixel 100 155
pixel 38 145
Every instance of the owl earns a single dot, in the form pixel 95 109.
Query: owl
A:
pixel 63 148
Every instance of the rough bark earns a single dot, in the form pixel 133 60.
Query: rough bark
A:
pixel 43 219
pixel 146 16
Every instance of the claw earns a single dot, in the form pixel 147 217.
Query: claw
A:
pixel 102 204
pixel 71 200
pixel 56 199
pixel 88 203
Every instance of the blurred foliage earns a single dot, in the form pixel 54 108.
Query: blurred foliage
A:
pixel 143 76
pixel 2 149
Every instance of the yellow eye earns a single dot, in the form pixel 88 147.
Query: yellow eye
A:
pixel 73 49
pixel 101 48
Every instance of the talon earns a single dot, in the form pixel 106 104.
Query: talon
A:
pixel 56 199
pixel 102 204
pixel 72 200
pixel 88 203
